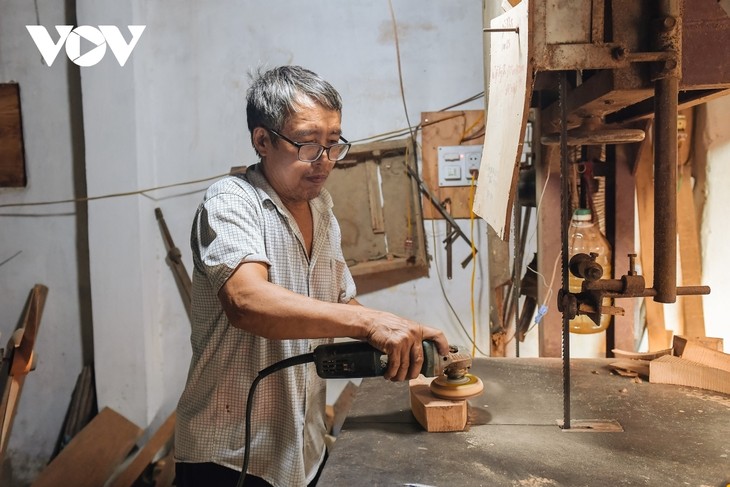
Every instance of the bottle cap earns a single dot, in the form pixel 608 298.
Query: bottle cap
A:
pixel 582 214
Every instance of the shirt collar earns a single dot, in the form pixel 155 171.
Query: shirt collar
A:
pixel 322 203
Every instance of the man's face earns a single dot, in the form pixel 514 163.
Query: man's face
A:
pixel 293 180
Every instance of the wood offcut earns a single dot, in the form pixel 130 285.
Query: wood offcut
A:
pixel 434 414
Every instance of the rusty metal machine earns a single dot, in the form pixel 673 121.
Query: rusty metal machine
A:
pixel 600 70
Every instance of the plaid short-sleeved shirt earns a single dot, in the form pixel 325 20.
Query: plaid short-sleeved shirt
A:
pixel 240 220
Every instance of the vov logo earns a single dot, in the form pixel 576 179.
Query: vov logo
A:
pixel 105 35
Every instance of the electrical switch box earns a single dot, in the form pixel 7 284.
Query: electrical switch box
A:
pixel 458 164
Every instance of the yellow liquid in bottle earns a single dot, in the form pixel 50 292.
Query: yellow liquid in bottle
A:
pixel 582 323
pixel 585 238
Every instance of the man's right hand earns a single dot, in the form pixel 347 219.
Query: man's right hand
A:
pixel 402 340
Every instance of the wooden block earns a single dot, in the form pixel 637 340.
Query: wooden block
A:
pixel 679 342
pixel 134 469
pixel 712 358
pixel 434 414
pixel 679 371
pixel 93 454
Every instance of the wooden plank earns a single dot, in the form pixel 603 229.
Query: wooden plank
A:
pixel 434 414
pixel 548 253
pixel 702 355
pixel 620 231
pixel 18 361
pixel 12 159
pixel 659 336
pixel 93 454
pixel 690 255
pixel 136 467
pixel 678 371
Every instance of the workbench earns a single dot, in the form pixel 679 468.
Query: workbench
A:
pixel 672 435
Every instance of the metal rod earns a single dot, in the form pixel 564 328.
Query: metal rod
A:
pixel 516 30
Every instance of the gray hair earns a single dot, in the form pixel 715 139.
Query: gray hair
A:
pixel 277 93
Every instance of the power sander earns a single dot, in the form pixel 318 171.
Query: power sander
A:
pixel 348 360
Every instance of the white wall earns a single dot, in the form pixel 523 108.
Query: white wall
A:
pixel 715 230
pixel 45 235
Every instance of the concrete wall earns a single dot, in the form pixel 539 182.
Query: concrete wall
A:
pixel 175 113
pixel 51 239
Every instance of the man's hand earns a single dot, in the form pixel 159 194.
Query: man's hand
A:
pixel 402 340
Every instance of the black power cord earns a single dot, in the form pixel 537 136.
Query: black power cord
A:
pixel 297 360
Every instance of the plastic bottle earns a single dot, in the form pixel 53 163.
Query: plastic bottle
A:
pixel 585 237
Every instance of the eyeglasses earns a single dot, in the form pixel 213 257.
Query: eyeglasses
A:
pixel 311 151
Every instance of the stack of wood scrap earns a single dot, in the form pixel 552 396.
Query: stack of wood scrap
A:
pixel 100 455
pixel 693 362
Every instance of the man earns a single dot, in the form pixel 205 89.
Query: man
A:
pixel 270 282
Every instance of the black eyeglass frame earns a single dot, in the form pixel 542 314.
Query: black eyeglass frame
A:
pixel 322 148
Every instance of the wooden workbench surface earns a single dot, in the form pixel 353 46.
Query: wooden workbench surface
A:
pixel 672 435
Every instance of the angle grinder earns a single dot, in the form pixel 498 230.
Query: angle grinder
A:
pixel 347 360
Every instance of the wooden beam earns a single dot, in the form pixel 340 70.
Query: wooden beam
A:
pixel 659 336
pixel 18 361
pixel 690 255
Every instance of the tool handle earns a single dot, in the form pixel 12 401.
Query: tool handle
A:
pixel 348 360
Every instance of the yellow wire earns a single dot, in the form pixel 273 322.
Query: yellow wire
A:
pixel 470 127
pixel 474 266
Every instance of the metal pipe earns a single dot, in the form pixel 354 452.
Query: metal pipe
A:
pixel 665 190
pixel 666 94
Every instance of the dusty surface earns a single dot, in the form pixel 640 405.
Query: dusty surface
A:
pixel 672 435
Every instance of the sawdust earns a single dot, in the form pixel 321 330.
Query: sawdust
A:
pixel 533 481
pixel 713 397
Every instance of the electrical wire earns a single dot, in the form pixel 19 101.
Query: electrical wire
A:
pixel 474 265
pixel 111 195
pixel 296 360
pixel 446 297
pixel 415 154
